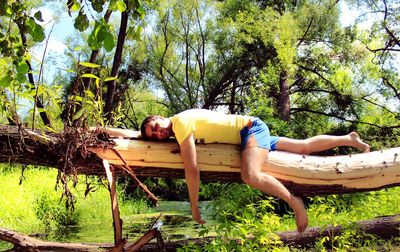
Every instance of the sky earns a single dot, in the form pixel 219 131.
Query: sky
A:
pixel 62 29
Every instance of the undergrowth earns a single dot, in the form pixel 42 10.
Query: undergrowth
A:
pixel 250 220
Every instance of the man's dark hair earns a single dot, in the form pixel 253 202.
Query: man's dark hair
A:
pixel 144 123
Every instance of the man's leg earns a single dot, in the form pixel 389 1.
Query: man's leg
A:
pixel 321 143
pixel 253 158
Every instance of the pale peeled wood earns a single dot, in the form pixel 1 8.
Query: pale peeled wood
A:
pixel 360 171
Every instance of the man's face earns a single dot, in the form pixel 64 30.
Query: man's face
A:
pixel 158 129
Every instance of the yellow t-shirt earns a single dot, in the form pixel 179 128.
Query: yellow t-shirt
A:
pixel 208 126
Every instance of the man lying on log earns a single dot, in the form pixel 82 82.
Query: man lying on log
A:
pixel 252 134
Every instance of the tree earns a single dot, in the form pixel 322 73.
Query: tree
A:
pixel 316 74
pixel 178 50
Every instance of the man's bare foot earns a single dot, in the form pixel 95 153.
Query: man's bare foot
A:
pixel 300 214
pixel 358 143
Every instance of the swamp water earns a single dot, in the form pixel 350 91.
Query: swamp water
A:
pixel 173 218
pixel 34 208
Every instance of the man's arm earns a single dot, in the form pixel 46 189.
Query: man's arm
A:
pixel 116 132
pixel 192 175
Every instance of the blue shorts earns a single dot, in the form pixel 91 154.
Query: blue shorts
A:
pixel 260 131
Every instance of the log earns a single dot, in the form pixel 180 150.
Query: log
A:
pixel 303 174
pixel 26 243
pixel 385 227
pixel 309 175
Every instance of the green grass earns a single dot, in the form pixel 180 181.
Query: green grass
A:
pixel 35 207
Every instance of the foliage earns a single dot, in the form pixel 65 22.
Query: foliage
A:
pixel 54 216
pixel 140 102
pixel 303 72
pixel 177 52
pixel 233 200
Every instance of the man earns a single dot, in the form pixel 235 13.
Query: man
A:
pixel 204 126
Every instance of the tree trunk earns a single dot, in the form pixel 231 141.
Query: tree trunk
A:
pixel 302 174
pixel 284 98
pixel 111 85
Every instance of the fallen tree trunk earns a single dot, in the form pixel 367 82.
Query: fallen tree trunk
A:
pixel 303 174
pixel 23 242
pixel 386 227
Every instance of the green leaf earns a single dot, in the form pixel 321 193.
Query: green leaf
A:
pixel 110 78
pixel 109 42
pixel 76 6
pixel 5 9
pixel 92 76
pixel 97 5
pixel 21 78
pixel 22 67
pixel 77 98
pixel 78 114
pixel 92 42
pixel 81 22
pixel 121 6
pixel 92 39
pixel 88 64
pixel 6 81
pixel 89 93
pixel 35 30
pixel 136 34
pixel 97 83
pixel 101 33
pixel 78 48
pixel 113 5
pixel 38 16
pixel 141 12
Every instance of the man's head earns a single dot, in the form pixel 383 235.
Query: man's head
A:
pixel 156 128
